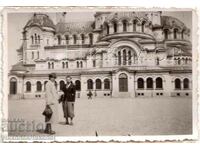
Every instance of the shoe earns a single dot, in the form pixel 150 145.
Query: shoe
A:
pixel 71 123
pixel 50 130
pixel 46 128
pixel 67 122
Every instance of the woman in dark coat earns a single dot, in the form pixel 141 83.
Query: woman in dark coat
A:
pixel 69 100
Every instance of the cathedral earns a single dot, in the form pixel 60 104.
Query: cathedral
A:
pixel 118 54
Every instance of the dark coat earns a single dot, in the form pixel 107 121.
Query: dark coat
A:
pixel 69 93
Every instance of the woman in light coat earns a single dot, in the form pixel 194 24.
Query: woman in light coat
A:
pixel 51 97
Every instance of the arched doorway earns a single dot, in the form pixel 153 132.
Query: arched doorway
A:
pixel 123 83
pixel 13 86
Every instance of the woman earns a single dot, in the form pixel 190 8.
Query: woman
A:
pixel 69 98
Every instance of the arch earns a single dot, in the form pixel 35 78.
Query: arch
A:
pixel 159 83
pixel 182 34
pixel 63 64
pixel 115 28
pixel 140 83
pixel 49 65
pixel 129 58
pixel 177 83
pixel 143 26
pixel 149 83
pixel 98 84
pixel 119 58
pixel 66 64
pixel 52 65
pixel 13 86
pixel 62 84
pixel 59 39
pixel 38 39
pixel 91 39
pixel 124 24
pixel 124 57
pixel 166 33
pixel 186 83
pixel 81 64
pixel 35 38
pixel 38 86
pixel 135 25
pixel 28 86
pixel 89 84
pixel 78 85
pixel 32 39
pixel 107 28
pixel 77 64
pixel 74 39
pixel 123 82
pixel 106 84
pixel 175 32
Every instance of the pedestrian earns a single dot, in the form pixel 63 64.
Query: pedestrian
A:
pixel 51 98
pixel 89 94
pixel 69 100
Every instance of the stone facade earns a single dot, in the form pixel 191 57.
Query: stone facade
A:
pixel 119 54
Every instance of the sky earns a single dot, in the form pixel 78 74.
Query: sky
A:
pixel 16 22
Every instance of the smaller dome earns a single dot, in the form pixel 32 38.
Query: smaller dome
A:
pixel 40 20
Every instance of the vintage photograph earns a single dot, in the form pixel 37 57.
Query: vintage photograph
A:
pixel 100 73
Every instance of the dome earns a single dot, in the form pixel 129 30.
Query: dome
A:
pixel 41 20
pixel 171 22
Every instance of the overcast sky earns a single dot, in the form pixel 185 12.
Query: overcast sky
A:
pixel 16 22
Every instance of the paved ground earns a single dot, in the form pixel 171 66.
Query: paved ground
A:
pixel 140 116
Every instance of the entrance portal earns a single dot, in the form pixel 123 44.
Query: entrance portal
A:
pixel 123 83
pixel 13 86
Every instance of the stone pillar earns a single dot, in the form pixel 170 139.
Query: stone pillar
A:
pixel 115 86
pixel 120 27
pixel 83 93
pixel 111 28
pixel 131 84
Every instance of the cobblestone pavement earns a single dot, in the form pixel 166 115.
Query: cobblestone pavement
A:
pixel 109 116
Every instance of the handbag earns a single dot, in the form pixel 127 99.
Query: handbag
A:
pixel 47 113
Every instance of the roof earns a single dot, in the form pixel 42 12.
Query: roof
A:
pixel 19 67
pixel 74 27
pixel 41 20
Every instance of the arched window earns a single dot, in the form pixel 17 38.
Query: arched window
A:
pixel 98 84
pixel 177 83
pixel 182 34
pixel 123 83
pixel 143 25
pixel 149 83
pixel 28 86
pixel 38 86
pixel 32 39
pixel 49 65
pixel 91 39
pixel 159 83
pixel 13 86
pixel 166 33
pixel 35 38
pixel 38 39
pixel 179 61
pixel 45 82
pixel 82 39
pixel 140 83
pixel 81 64
pixel 186 83
pixel 77 64
pixel 74 39
pixel 67 39
pixel 32 55
pixel 63 64
pixel 89 84
pixel 107 28
pixel 106 84
pixel 119 58
pixel 175 33
pixel 129 58
pixel 59 39
pixel 134 25
pixel 124 23
pixel 66 64
pixel 115 27
pixel 78 85
pixel 52 65
pixel 124 57
pixel 62 84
